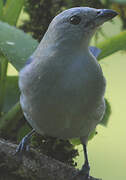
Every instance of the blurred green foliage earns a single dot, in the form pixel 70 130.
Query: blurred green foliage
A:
pixel 41 12
pixel 120 7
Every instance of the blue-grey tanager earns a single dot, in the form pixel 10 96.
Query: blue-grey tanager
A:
pixel 62 85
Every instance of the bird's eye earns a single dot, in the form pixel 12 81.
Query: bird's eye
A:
pixel 98 12
pixel 75 19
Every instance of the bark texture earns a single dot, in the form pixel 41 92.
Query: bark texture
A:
pixel 33 166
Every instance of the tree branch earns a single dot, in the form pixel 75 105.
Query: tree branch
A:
pixel 33 166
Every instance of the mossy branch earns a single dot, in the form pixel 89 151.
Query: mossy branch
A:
pixel 34 166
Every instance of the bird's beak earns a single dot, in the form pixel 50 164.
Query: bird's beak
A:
pixel 104 15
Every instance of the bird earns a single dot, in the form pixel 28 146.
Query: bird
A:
pixel 62 84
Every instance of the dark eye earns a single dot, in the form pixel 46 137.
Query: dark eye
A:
pixel 98 12
pixel 75 19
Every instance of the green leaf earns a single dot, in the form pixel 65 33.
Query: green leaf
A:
pixel 1 9
pixel 112 45
pixel 12 11
pixel 118 1
pixel 12 93
pixel 23 131
pixel 76 141
pixel 93 133
pixel 3 77
pixel 16 45
pixel 10 120
pixel 105 119
pixel 9 12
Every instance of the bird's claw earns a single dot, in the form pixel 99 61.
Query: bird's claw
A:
pixel 23 146
pixel 85 171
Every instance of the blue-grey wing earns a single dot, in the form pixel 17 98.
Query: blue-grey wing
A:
pixel 95 51
pixel 30 59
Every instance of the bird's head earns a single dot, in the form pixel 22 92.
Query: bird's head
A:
pixel 76 25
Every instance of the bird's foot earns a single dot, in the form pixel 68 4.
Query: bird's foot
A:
pixel 85 171
pixel 23 145
pixel 22 148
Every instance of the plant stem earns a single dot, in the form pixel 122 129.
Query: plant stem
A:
pixel 3 75
pixel 10 119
